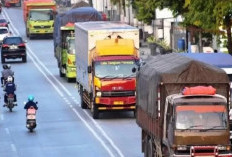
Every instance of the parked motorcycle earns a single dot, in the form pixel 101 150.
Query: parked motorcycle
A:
pixel 31 119
pixel 10 102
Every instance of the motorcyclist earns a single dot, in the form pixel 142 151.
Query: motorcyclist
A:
pixel 7 72
pixel 31 103
pixel 10 88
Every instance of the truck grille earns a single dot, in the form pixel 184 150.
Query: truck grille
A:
pixel 118 93
pixel 42 27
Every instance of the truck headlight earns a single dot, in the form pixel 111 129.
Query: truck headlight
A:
pixel 223 147
pixel 181 148
pixel 98 94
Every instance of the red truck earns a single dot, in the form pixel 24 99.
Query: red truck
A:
pixel 8 3
pixel 183 108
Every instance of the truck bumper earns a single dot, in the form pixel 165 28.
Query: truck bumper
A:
pixel 41 31
pixel 219 155
pixel 115 103
pixel 71 72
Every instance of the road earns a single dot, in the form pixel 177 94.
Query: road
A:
pixel 64 129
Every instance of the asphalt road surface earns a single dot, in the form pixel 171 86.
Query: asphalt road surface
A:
pixel 64 129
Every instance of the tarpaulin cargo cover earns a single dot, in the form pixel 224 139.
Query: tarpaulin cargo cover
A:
pixel 81 14
pixel 173 72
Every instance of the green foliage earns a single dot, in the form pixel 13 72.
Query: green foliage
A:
pixel 145 10
pixel 162 43
pixel 152 39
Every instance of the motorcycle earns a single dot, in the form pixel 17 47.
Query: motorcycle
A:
pixel 10 102
pixel 31 119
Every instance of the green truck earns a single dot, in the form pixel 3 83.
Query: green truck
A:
pixel 64 38
pixel 39 17
pixel 67 52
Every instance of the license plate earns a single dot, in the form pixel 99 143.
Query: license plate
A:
pixel 42 31
pixel 118 102
pixel 12 47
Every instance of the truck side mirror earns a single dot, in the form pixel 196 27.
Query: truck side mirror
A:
pixel 89 69
pixel 133 69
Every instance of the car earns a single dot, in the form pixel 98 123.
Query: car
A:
pixel 4 32
pixel 4 23
pixel 13 47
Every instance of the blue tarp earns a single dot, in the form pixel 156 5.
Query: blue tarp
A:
pixel 221 60
pixel 81 14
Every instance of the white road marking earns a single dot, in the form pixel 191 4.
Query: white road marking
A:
pixel 7 131
pixel 2 117
pixel 13 147
pixel 93 132
pixel 31 53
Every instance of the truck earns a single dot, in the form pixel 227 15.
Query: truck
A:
pixel 8 3
pixel 64 37
pixel 106 53
pixel 182 108
pixel 39 17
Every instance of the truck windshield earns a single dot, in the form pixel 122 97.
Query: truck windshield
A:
pixel 71 46
pixel 44 15
pixel 203 117
pixel 115 69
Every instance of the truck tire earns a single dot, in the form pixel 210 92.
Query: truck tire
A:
pixel 27 33
pixel 69 79
pixel 61 74
pixel 3 59
pixel 24 59
pixel 18 4
pixel 83 104
pixel 148 152
pixel 95 111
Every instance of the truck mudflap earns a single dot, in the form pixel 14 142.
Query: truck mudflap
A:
pixel 205 151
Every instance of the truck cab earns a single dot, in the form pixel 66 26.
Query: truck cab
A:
pixel 40 22
pixel 196 124
pixel 65 52
pixel 68 58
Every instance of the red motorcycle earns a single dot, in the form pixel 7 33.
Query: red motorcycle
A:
pixel 10 102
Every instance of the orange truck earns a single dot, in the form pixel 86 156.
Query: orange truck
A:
pixel 9 3
pixel 39 17
pixel 106 53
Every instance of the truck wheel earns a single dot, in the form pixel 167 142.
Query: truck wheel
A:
pixel 3 59
pixel 18 4
pixel 24 59
pixel 148 152
pixel 61 74
pixel 165 151
pixel 83 104
pixel 95 112
pixel 69 79
pixel 30 36
pixel 27 33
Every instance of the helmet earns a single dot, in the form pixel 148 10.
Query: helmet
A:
pixel 9 79
pixel 30 98
pixel 4 66
pixel 8 66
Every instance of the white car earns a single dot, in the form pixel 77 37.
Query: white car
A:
pixel 4 32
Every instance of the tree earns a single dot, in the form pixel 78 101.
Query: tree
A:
pixel 210 16
pixel 202 15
